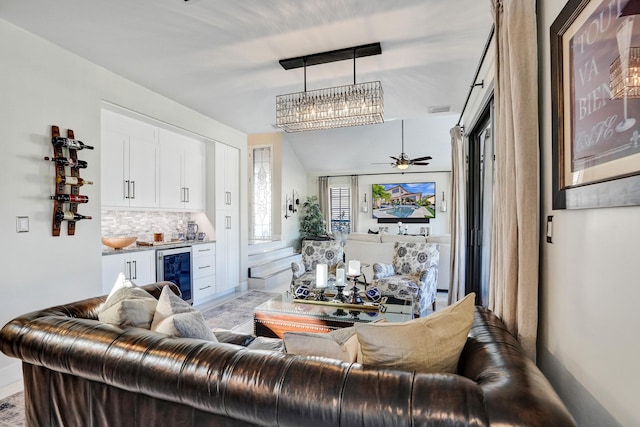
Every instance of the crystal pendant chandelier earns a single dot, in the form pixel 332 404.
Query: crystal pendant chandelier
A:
pixel 341 106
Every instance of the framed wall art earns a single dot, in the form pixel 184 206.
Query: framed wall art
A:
pixel 595 83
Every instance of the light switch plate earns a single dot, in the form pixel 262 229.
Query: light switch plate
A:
pixel 550 229
pixel 22 224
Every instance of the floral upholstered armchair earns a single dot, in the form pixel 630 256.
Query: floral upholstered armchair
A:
pixel 413 273
pixel 316 252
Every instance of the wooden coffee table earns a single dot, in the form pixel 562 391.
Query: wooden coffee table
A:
pixel 281 314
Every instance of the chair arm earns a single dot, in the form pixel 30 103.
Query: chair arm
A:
pixel 430 276
pixel 297 267
pixel 380 270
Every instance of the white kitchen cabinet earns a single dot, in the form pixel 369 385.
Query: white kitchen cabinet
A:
pixel 129 162
pixel 182 183
pixel 203 272
pixel 139 267
pixel 227 220
pixel 227 177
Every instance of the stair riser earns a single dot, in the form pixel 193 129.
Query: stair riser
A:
pixel 265 270
pixel 265 257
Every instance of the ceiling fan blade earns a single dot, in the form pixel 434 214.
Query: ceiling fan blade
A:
pixel 419 159
pixel 395 158
pixel 383 163
pixel 419 163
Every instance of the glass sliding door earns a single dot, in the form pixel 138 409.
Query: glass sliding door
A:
pixel 480 163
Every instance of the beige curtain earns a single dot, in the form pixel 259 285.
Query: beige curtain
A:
pixel 513 293
pixel 323 200
pixel 457 216
pixel 355 203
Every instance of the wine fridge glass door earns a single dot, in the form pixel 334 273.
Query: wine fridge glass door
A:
pixel 175 266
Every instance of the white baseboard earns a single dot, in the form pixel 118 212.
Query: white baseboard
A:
pixel 10 379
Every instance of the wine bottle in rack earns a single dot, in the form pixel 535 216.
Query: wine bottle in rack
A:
pixel 70 216
pixel 72 198
pixel 72 180
pixel 76 144
pixel 68 162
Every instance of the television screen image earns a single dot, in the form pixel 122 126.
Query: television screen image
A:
pixel 405 202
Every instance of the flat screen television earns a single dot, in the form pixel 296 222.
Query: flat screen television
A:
pixel 411 202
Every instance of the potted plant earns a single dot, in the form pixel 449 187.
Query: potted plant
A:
pixel 312 223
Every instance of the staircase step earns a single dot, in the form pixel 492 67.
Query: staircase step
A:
pixel 268 256
pixel 266 246
pixel 274 281
pixel 274 266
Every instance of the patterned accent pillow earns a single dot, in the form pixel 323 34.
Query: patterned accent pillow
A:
pixel 298 269
pixel 412 258
pixel 381 270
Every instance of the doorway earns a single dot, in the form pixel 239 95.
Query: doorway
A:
pixel 480 179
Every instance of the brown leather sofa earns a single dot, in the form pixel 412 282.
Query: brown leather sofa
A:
pixel 81 372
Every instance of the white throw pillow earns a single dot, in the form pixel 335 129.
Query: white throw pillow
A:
pixel 121 282
pixel 174 316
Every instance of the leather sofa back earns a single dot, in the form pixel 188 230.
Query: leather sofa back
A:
pixel 80 372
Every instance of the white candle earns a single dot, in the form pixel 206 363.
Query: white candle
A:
pixel 339 276
pixel 321 276
pixel 354 267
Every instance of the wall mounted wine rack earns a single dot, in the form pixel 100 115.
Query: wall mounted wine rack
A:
pixel 60 182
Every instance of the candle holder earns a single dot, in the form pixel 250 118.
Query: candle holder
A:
pixel 339 297
pixel 321 296
pixel 355 292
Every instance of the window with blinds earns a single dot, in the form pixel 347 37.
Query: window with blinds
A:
pixel 340 201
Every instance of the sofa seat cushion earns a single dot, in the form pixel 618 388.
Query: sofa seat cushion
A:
pixel 176 317
pixel 429 344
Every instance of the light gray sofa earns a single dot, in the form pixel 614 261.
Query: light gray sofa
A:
pixel 372 248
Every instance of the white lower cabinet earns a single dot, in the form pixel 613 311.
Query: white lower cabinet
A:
pixel 203 272
pixel 139 267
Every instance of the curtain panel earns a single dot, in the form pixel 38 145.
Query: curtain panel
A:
pixel 515 242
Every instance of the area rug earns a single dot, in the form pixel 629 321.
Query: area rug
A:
pixel 235 314
pixel 12 411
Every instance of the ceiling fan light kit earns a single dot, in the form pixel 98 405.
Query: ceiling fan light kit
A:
pixel 341 106
pixel 403 161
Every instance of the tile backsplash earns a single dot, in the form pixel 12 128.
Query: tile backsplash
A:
pixel 144 223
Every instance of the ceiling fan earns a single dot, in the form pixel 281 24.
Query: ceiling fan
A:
pixel 403 161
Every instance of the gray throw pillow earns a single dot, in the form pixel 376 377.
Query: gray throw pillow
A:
pixel 129 306
pixel 174 316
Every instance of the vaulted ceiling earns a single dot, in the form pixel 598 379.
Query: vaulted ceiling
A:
pixel 220 57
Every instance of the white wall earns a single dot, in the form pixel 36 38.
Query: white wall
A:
pixel 587 343
pixel 439 224
pixel 42 85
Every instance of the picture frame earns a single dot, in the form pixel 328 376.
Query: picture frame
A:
pixel 595 127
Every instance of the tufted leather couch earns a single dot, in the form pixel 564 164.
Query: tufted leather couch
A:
pixel 80 372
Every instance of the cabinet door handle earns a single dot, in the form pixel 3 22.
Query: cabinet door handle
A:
pixel 206 287
pixel 227 196
pixel 125 189
pixel 227 220
pixel 188 196
pixel 127 270
pixel 133 185
pixel 204 250
pixel 204 266
pixel 135 270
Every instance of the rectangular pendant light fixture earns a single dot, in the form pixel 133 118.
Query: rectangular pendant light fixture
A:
pixel 341 106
